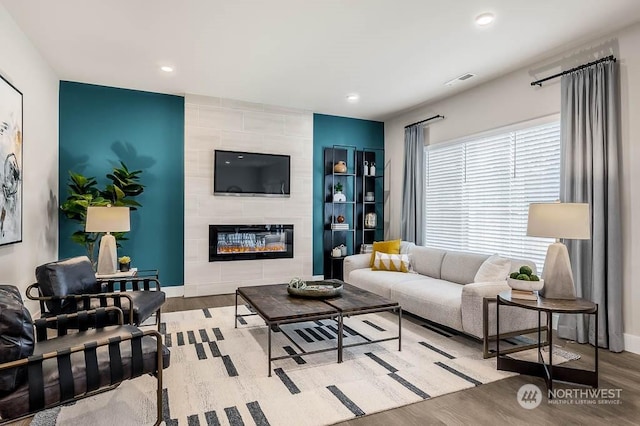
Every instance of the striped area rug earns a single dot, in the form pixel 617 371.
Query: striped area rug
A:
pixel 218 374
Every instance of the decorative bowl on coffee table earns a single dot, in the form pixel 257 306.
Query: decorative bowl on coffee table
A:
pixel 318 289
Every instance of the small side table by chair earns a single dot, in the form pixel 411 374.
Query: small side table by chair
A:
pixel 547 370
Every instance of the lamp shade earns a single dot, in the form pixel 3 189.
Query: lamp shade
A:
pixel 559 220
pixel 107 219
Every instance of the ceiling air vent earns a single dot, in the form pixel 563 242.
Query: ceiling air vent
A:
pixel 463 77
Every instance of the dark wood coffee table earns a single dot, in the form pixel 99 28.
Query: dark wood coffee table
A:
pixel 275 306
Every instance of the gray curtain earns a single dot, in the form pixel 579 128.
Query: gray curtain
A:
pixel 590 158
pixel 412 227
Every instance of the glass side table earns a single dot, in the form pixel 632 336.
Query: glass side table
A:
pixel 542 368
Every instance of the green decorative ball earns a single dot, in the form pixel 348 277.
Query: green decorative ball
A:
pixel 514 275
pixel 525 270
pixel 534 277
pixel 523 277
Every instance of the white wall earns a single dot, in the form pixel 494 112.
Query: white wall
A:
pixel 509 100
pixel 214 123
pixel 22 65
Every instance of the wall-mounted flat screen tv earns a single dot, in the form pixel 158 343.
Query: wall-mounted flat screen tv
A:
pixel 251 174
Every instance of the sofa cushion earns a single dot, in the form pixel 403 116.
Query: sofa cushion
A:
pixel 406 247
pixel 380 282
pixel 391 247
pixel 495 268
pixel 431 298
pixel 391 262
pixel 427 261
pixel 461 267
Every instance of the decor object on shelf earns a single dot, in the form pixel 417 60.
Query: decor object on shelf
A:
pixel 369 197
pixel 340 219
pixel 343 250
pixel 370 220
pixel 366 248
pixel 340 167
pixel 365 169
pixel 372 169
pixel 107 219
pixel 338 196
pixel 336 252
pixel 317 289
pixel 11 172
pixel 558 220
pixel 340 226
pixel 125 263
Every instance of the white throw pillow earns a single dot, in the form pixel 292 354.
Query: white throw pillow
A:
pixel 495 268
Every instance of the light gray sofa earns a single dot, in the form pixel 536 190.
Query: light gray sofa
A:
pixel 441 289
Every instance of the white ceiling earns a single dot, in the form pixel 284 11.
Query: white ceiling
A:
pixel 306 53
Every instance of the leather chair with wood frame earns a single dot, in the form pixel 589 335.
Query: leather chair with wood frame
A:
pixel 44 372
pixel 66 286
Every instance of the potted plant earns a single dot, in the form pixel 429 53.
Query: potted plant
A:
pixel 338 196
pixel 125 263
pixel 84 192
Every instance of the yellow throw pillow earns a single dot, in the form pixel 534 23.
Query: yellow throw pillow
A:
pixel 391 247
pixel 391 262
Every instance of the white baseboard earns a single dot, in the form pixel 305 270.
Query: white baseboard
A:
pixel 632 343
pixel 174 291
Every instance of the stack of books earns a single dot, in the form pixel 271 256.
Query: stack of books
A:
pixel 339 226
pixel 524 294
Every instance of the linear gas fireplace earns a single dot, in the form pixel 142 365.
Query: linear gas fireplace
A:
pixel 244 242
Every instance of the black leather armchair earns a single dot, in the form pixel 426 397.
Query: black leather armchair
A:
pixel 69 285
pixel 45 372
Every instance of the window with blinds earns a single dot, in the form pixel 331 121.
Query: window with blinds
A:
pixel 478 191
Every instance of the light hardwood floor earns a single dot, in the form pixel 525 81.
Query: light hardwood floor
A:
pixel 496 403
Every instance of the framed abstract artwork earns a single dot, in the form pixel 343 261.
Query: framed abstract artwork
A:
pixel 11 177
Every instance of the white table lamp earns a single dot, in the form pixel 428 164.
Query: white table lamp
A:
pixel 107 219
pixel 558 220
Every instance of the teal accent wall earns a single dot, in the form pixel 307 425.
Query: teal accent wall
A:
pixel 101 126
pixel 330 130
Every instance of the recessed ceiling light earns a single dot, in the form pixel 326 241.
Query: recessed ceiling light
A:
pixel 485 19
pixel 241 156
pixel 227 162
pixel 166 68
pixel 353 97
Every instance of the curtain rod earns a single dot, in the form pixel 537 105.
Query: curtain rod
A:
pixel 425 120
pixel 606 59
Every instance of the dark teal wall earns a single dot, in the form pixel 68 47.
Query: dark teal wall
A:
pixel 101 126
pixel 329 130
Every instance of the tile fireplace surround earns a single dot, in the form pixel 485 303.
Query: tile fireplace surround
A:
pixel 246 242
pixel 226 124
